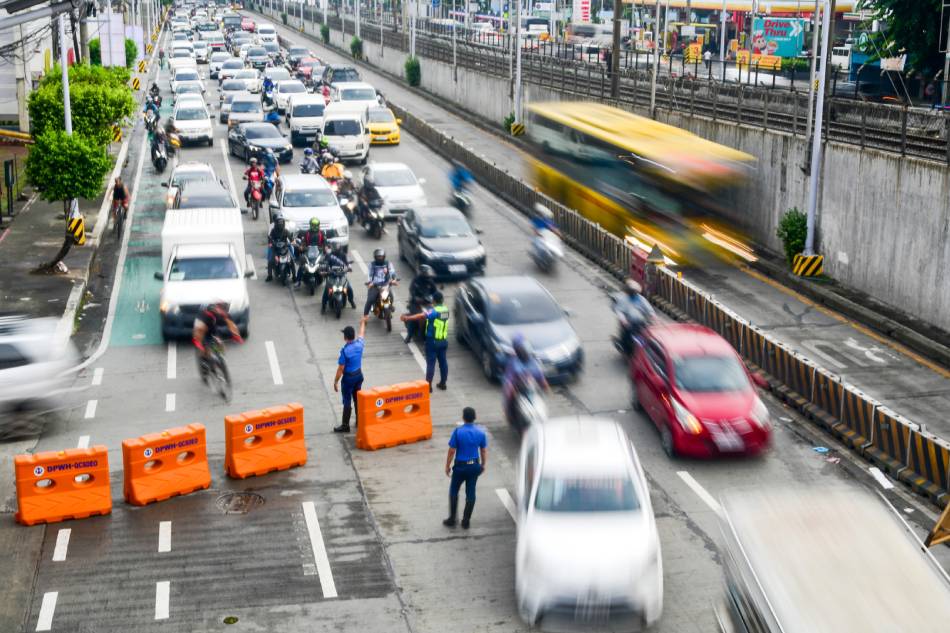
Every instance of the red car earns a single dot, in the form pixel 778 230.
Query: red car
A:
pixel 697 391
pixel 305 69
pixel 247 24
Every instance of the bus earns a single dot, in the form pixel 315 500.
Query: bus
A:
pixel 650 183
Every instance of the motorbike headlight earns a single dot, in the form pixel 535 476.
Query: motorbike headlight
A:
pixel 687 420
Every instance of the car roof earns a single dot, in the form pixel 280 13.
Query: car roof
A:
pixel 258 125
pixel 342 85
pixel 200 251
pixel 304 181
pixel 193 165
pixel 195 187
pixel 509 283
pixel 290 81
pixel 689 339
pixel 583 445
pixel 390 167
pixel 233 82
pixel 423 213
pixel 306 98
pixel 245 96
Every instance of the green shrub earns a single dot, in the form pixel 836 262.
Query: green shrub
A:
pixel 283 17
pixel 792 230
pixel 356 47
pixel 795 63
pixel 413 71
pixel 508 121
pixel 131 52
pixel 325 33
pixel 95 52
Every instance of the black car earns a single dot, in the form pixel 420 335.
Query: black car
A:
pixel 257 58
pixel 443 239
pixel 295 54
pixel 273 49
pixel 335 73
pixel 203 194
pixel 491 311
pixel 248 140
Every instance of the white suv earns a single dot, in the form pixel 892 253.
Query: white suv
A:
pixel 304 118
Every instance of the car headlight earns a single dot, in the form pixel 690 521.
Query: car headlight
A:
pixel 760 414
pixel 254 148
pixel 687 420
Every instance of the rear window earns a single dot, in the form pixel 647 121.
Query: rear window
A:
pixel 205 200
pixel 381 116
pixel 277 74
pixel 246 106
pixel 345 74
pixel 587 494
pixel 308 109
pixel 342 127
pixel 358 94
pixel 233 63
pixel 233 84
pixel 256 52
pixel 11 357
pixel 292 88
pixel 186 75
pixel 181 52
pixel 520 307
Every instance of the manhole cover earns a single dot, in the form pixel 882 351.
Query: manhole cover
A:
pixel 239 502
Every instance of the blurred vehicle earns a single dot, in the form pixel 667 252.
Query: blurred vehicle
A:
pixel 187 88
pixel 203 194
pixel 216 42
pixel 273 50
pixel 587 548
pixel 186 74
pixel 257 57
pixel 206 27
pixel 697 391
pixel 247 24
pixel 443 239
pixel 276 74
pixel 245 108
pixel 230 87
pixel 346 132
pixel 284 90
pixel 355 93
pixel 247 140
pixel 643 180
pixel 215 62
pixel 181 57
pixel 231 21
pixel 398 186
pixel 303 196
pixel 383 126
pixel 490 311
pixel 192 123
pixel 190 171
pixel 304 118
pixel 33 359
pixel 181 36
pixel 201 52
pixel 335 73
pixel 251 79
pixel 229 68
pixel 244 48
pixel 295 54
pixel 308 69
pixel 266 33
pixel 825 560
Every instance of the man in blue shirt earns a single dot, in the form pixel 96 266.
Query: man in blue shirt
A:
pixel 379 273
pixel 349 372
pixel 465 461
pixel 437 335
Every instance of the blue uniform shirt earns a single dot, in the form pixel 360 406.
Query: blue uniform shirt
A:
pixel 466 440
pixel 351 356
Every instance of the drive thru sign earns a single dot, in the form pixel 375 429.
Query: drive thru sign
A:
pixel 783 37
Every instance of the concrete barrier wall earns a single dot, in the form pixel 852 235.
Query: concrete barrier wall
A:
pixel 884 221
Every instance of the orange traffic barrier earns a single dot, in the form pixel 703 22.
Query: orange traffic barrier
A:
pixel 258 442
pixel 159 466
pixel 59 485
pixel 394 415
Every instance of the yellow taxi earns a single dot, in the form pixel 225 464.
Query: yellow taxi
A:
pixel 383 127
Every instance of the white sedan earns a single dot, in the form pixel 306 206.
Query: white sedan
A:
pixel 186 172
pixel 186 74
pixel 587 546
pixel 398 186
pixel 284 89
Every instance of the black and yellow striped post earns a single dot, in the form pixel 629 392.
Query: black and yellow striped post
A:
pixel 807 265
pixel 148 49
pixel 136 83
pixel 76 227
pixel 116 134
pixel 142 65
pixel 517 129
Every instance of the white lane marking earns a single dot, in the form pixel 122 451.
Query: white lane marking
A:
pixel 319 550
pixel 420 359
pixel 45 621
pixel 64 328
pixel 274 365
pixel 83 441
pixel 172 360
pixel 97 377
pixel 169 402
pixel 699 490
pixel 359 261
pixel 62 545
pixel 91 409
pixel 880 478
pixel 162 591
pixel 508 502
pixel 249 263
pixel 165 536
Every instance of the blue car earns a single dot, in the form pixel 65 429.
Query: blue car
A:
pixel 490 311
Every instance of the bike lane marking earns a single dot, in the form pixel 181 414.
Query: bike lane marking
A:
pixel 169 402
pixel 324 573
pixel 47 609
pixel 274 364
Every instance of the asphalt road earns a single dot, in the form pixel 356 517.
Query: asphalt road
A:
pixel 189 563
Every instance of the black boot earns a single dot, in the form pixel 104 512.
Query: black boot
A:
pixel 453 512
pixel 467 512
pixel 345 426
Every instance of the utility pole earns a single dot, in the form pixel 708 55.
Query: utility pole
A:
pixel 358 3
pixel 656 60
pixel 19 64
pixel 518 63
pixel 723 17
pixel 946 64
pixel 84 33
pixel 615 55
pixel 817 147
pixel 816 31
pixel 455 59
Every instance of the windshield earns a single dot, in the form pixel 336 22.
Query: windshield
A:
pixel 358 94
pixel 246 106
pixel 395 178
pixel 444 226
pixel 342 127
pixel 205 200
pixel 231 85
pixel 381 116
pixel 256 52
pixel 181 52
pixel 201 45
pixel 277 74
pixel 345 74
pixel 294 87
pixel 312 198
pixel 588 494
pixel 202 268
pixel 520 307
pixel 191 114
pixel 264 131
pixel 184 88
pixel 710 374
pixel 271 47
pixel 220 57
pixel 246 74
pixel 308 109
pixel 190 176
pixel 186 75
pixel 233 63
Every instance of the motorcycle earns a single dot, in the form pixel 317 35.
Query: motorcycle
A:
pixel 547 250
pixel 311 265
pixel 348 206
pixel 151 121
pixel 336 283
pixel 257 198
pixel 383 307
pixel 159 155
pixel 462 201
pixel 415 307
pixel 269 97
pixel 373 218
pixel 283 262
pixel 312 169
pixel 631 321
pixel 527 406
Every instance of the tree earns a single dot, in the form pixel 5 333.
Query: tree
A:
pixel 61 167
pixel 95 52
pixel 911 26
pixel 131 52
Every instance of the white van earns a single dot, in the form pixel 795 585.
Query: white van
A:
pixel 305 117
pixel 347 132
pixel 266 33
pixel 203 260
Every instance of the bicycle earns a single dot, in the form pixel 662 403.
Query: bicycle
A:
pixel 215 370
pixel 118 219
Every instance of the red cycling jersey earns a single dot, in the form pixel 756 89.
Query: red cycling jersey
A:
pixel 254 173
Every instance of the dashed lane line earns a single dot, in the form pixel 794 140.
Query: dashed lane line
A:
pixel 172 370
pixel 169 402
pixel 274 364
pixel 91 409
pixel 62 545
pixel 47 609
pixel 359 261
pixel 97 376
pixel 319 550
pixel 162 595
pixel 164 536
pixel 699 490
pixel 83 442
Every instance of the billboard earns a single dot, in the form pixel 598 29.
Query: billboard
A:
pixel 581 11
pixel 783 37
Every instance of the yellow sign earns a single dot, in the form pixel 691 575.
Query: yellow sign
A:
pixel 767 62
pixel 116 134
pixel 142 66
pixel 136 84
pixel 694 53
pixel 807 265
pixel 148 49
pixel 77 228
pixel 742 57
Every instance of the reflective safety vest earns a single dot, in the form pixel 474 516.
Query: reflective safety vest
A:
pixel 438 328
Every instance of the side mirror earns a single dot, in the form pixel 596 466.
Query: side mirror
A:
pixel 568 312
pixel 159 276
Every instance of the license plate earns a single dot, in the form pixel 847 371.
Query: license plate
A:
pixel 457 268
pixel 727 441
pixel 381 138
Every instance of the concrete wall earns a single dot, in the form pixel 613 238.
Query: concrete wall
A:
pixel 883 220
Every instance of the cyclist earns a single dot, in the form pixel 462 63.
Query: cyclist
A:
pixel 120 198
pixel 203 333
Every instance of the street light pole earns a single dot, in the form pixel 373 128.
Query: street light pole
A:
pixel 816 146
pixel 811 74
pixel 518 63
pixel 656 60
pixel 455 61
pixel 67 112
pixel 722 38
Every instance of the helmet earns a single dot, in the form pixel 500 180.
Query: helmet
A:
pixel 633 288
pixel 278 219
pixel 368 180
pixel 253 161
pixel 426 271
pixel 379 255
pixel 308 152
pixel 314 224
pixel 334 150
pixel 542 211
pixel 521 347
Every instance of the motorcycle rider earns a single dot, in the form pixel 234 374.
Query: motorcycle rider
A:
pixel 254 173
pixel 309 164
pixel 460 177
pixel 267 87
pixel 521 367
pixel 380 272
pixel 151 106
pixel 332 169
pixel 271 171
pixel 421 291
pixel 154 91
pixel 311 236
pixel 634 313
pixel 159 139
pixel 543 220
pixel 368 193
pixel 278 233
pixel 332 259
